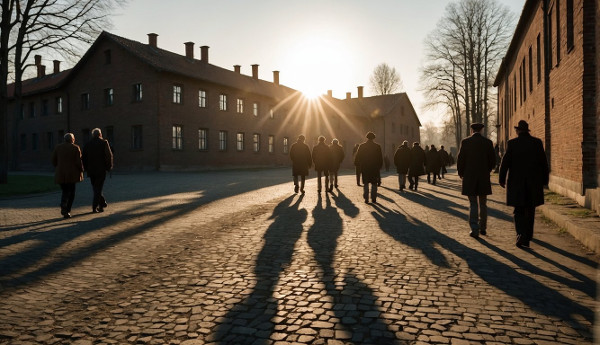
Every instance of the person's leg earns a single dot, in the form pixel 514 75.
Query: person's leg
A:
pixel 428 177
pixel 319 173
pixel 482 214
pixel 302 180
pixel 71 196
pixel 64 198
pixel 366 191
pixel 530 220
pixel 328 182
pixel 399 181
pixel 295 183
pixel 416 182
pixel 520 216
pixel 411 182
pixel 473 215
pixel 357 176
pixel 374 192
pixel 434 177
pixel 101 200
pixel 336 179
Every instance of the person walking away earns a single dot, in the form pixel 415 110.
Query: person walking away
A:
pixel 475 162
pixel 526 165
pixel 66 158
pixel 370 159
pixel 444 159
pixel 337 156
pixel 356 167
pixel 301 162
pixel 433 163
pixel 97 160
pixel 417 165
pixel 402 162
pixel 321 155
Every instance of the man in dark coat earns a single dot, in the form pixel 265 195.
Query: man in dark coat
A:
pixel 527 168
pixel 402 162
pixel 370 159
pixel 445 160
pixel 337 156
pixel 433 163
pixel 321 155
pixel 66 157
pixel 97 160
pixel 301 162
pixel 417 165
pixel 475 162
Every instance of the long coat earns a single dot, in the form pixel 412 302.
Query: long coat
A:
pixel 66 157
pixel 434 163
pixel 321 156
pixel 97 158
pixel 369 158
pixel 301 159
pixel 402 159
pixel 337 156
pixel 417 161
pixel 527 168
pixel 444 158
pixel 475 162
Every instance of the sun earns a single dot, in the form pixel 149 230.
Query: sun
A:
pixel 311 93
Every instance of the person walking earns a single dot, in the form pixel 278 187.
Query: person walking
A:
pixel 321 155
pixel 337 156
pixel 301 162
pixel 370 159
pixel 417 165
pixel 97 160
pixel 66 158
pixel 444 159
pixel 356 167
pixel 402 162
pixel 475 162
pixel 433 163
pixel 526 165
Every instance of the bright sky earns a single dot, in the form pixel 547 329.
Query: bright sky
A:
pixel 317 45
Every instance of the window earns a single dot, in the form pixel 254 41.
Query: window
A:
pixel 255 109
pixel 539 60
pixel 34 141
pixel 202 99
pixel 50 140
pixel 240 106
pixel 109 96
pixel 85 101
pixel 222 140
pixel 23 142
pixel 223 102
pixel 524 81
pixel 31 109
pixel 136 137
pixel 177 94
pixel 177 137
pixel 530 69
pixel 44 107
pixel 59 105
pixel 285 145
pixel 557 4
pixel 570 27
pixel 137 92
pixel 107 57
pixel 256 142
pixel 239 141
pixel 271 143
pixel 521 85
pixel 203 139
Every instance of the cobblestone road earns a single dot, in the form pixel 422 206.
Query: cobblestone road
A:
pixel 237 258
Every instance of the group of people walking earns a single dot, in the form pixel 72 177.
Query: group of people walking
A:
pixel 326 159
pixel 414 162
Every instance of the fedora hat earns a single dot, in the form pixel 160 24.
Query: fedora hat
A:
pixel 522 126
pixel 477 126
pixel 370 135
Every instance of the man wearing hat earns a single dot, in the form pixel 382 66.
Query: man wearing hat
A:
pixel 301 162
pixel 369 158
pixel 527 168
pixel 475 162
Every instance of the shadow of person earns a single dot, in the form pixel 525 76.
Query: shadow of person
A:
pixel 250 322
pixel 341 201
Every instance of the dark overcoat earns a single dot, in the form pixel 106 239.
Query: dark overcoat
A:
pixel 434 163
pixel 369 158
pixel 301 159
pixel 66 157
pixel 417 161
pixel 402 159
pixel 97 158
pixel 527 168
pixel 321 156
pixel 337 156
pixel 444 158
pixel 475 162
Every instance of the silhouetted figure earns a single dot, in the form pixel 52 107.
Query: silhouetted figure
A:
pixel 417 165
pixel 337 156
pixel 301 162
pixel 97 160
pixel 402 163
pixel 356 167
pixel 321 155
pixel 66 157
pixel 433 163
pixel 444 159
pixel 370 159
pixel 475 162
pixel 527 168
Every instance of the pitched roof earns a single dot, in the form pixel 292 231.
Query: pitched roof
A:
pixel 42 84
pixel 375 106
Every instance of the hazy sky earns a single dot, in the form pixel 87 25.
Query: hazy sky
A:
pixel 317 45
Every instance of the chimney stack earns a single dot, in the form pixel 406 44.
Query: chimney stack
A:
pixel 38 60
pixel 152 40
pixel 330 93
pixel 276 77
pixel 41 71
pixel 204 54
pixel 360 92
pixel 237 69
pixel 56 66
pixel 348 95
pixel 255 71
pixel 189 50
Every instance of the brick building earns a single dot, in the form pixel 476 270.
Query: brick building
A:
pixel 165 111
pixel 549 77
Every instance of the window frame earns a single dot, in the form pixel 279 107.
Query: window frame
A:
pixel 271 144
pixel 222 141
pixel 240 106
pixel 239 141
pixel 223 102
pixel 256 142
pixel 203 139
pixel 177 137
pixel 177 94
pixel 202 98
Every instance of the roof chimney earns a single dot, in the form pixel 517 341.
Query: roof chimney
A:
pixel 330 93
pixel 348 95
pixel 152 40
pixel 255 71
pixel 204 54
pixel 360 92
pixel 189 50
pixel 41 71
pixel 276 77
pixel 56 66
pixel 237 69
pixel 38 60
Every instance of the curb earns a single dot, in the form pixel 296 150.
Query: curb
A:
pixel 585 230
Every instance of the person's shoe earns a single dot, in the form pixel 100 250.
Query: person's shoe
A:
pixel 67 215
pixel 331 189
pixel 519 242
pixel 100 209
pixel 366 200
pixel 104 204
pixel 302 190
pixel 336 186
pixel 483 232
pixel 474 234
pixel 94 210
pixel 296 189
pixel 374 200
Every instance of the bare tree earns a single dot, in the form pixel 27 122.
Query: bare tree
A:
pixel 385 80
pixel 56 27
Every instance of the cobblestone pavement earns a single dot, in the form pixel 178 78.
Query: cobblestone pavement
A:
pixel 237 258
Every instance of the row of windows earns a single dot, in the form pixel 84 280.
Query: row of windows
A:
pixel 240 140
pixel 223 101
